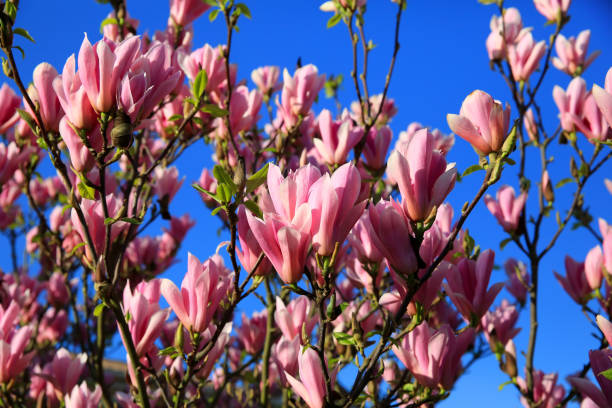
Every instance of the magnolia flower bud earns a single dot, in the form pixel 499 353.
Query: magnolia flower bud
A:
pixel 121 135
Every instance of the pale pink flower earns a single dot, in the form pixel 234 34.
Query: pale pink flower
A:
pixel 575 282
pixel 290 319
pixel 82 397
pixel 504 32
pixel 518 279
pixel 299 93
pixel 101 68
pixel 499 325
pixel 335 207
pixel 183 12
pixel 467 287
pixel 252 333
pixel 570 102
pixel 49 105
pixel 9 103
pixel 552 9
pixel 166 182
pixel 603 97
pixel 249 250
pixel 524 57
pixel 311 385
pixel 572 53
pixel 423 177
pixel 266 80
pixel 72 95
pixel 376 146
pixel 506 208
pixel 482 122
pixel 337 138
pixel 203 288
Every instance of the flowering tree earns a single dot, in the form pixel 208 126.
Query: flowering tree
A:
pixel 373 292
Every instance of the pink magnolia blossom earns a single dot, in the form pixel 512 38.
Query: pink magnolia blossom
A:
pixel 362 242
pixel 183 12
pixel 285 244
pixel 94 219
pixel 467 288
pixel 52 326
pixel 606 327
pixel 423 177
pixel 72 96
pixel 499 325
pixel 593 267
pixel 150 79
pixel 606 233
pixel 111 29
pixel 601 360
pixel 82 397
pixel 376 146
pixel 299 93
pixel 592 123
pixel 217 350
pixel 9 102
pixel 575 282
pixel 146 317
pixel 11 156
pixel 504 32
pixel 364 278
pixel 80 156
pixel 546 392
pixel 518 279
pixel 65 371
pixel 49 105
pixel 249 250
pixel 335 207
pixel 285 355
pixel 166 182
pixel 572 53
pixel 203 288
pixel 524 57
pixel 337 138
pixel 506 208
pixel 57 291
pixel 570 102
pixel 252 332
pixel 482 122
pixel 311 385
pixel 592 396
pixel 387 110
pixel 208 183
pixel 331 6
pixel 101 68
pixel 442 143
pixel 208 59
pixel 13 343
pixel 430 354
pixel 266 80
pixel 530 125
pixel 552 9
pixel 603 97
pixel 392 235
pixel 244 109
pixel 290 319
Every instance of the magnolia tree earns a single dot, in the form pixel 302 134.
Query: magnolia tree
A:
pixel 373 293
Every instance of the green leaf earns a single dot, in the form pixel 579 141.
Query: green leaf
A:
pixel 204 191
pixel 502 385
pixel 564 181
pixel 106 21
pixel 213 15
pixel 168 351
pixel 214 110
pixel 211 3
pixel 77 246
pixel 130 220
pixel 109 220
pixel 216 210
pixel 257 179
pixel 472 169
pixel 254 208
pixel 174 118
pixel 505 242
pixel 334 20
pixel 99 309
pixel 199 84
pixel 85 191
pixel 243 9
pixel 25 115
pixel 20 50
pixel 223 191
pixel 24 33
pixel 224 178
pixel 607 374
pixel 487 2
pixel 344 338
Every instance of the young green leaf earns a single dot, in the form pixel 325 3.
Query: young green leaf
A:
pixel 24 33
pixel 214 110
pixel 199 84
pixel 257 179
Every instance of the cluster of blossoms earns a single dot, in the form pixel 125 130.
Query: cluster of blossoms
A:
pixel 349 244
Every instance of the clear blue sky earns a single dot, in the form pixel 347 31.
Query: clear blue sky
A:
pixel 442 59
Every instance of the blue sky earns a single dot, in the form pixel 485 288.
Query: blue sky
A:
pixel 441 60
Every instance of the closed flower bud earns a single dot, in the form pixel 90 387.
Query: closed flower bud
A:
pixel 121 134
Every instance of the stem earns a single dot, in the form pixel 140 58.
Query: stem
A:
pixel 267 346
